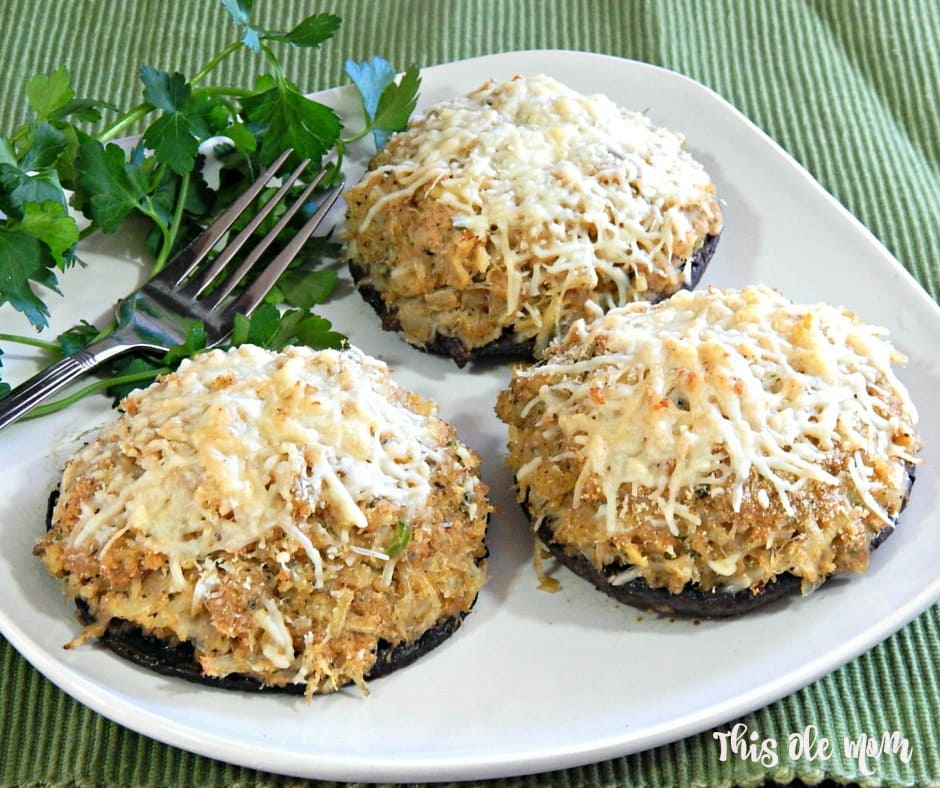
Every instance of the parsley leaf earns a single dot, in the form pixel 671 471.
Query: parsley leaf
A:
pixel 110 186
pixel 165 91
pixel 194 344
pixel 19 186
pixel 300 327
pixel 291 120
pixel 269 328
pixel 370 77
pixel 45 147
pixel 171 136
pixel 396 104
pixel 52 99
pixel 77 337
pixel 387 104
pixel 50 222
pixel 307 289
pixel 311 32
pixel 187 118
pixel 24 259
pixel 257 329
pixel 240 11
pixel 48 93
pixel 172 140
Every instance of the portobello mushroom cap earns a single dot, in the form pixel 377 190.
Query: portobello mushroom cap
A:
pixel 498 218
pixel 178 659
pixel 714 452
pixel 507 345
pixel 286 521
pixel 691 602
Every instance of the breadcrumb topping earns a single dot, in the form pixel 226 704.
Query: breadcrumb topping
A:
pixel 283 512
pixel 513 207
pixel 719 438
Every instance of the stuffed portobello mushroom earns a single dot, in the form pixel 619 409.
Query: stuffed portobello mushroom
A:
pixel 272 520
pixel 500 217
pixel 715 451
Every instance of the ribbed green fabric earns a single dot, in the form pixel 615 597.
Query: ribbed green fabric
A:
pixel 851 89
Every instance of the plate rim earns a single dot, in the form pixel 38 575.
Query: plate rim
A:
pixel 337 767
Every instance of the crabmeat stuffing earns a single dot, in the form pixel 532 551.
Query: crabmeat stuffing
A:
pixel 513 209
pixel 716 440
pixel 283 512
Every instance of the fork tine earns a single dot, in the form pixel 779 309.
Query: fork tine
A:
pixel 253 296
pixel 206 277
pixel 222 290
pixel 158 314
pixel 185 262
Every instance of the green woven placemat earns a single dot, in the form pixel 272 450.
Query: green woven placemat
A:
pixel 850 89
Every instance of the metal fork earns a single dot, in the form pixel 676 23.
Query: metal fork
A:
pixel 156 316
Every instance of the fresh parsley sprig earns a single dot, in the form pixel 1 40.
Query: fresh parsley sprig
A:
pixel 60 181
pixel 386 103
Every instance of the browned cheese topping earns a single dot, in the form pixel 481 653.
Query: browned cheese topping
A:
pixel 512 208
pixel 283 512
pixel 719 439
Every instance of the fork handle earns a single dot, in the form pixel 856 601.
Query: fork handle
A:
pixel 28 394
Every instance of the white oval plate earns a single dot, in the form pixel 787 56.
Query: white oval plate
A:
pixel 533 681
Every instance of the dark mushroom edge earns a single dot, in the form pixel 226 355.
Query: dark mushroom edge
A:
pixel 506 345
pixel 177 659
pixel 692 602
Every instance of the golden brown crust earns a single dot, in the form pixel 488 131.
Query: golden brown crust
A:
pixel 499 218
pixel 607 440
pixel 508 345
pixel 308 602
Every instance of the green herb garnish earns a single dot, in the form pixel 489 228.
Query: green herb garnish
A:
pixel 401 540
pixel 53 166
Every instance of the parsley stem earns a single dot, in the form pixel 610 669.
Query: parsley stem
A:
pixel 340 155
pixel 31 341
pixel 99 385
pixel 358 136
pixel 228 91
pixel 275 64
pixel 91 229
pixel 135 114
pixel 126 120
pixel 212 64
pixel 170 233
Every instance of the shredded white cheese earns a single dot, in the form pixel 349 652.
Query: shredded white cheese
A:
pixel 228 447
pixel 708 387
pixel 570 192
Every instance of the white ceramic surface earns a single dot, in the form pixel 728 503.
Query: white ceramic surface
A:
pixel 533 681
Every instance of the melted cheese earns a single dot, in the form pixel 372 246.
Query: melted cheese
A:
pixel 567 190
pixel 234 445
pixel 707 388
